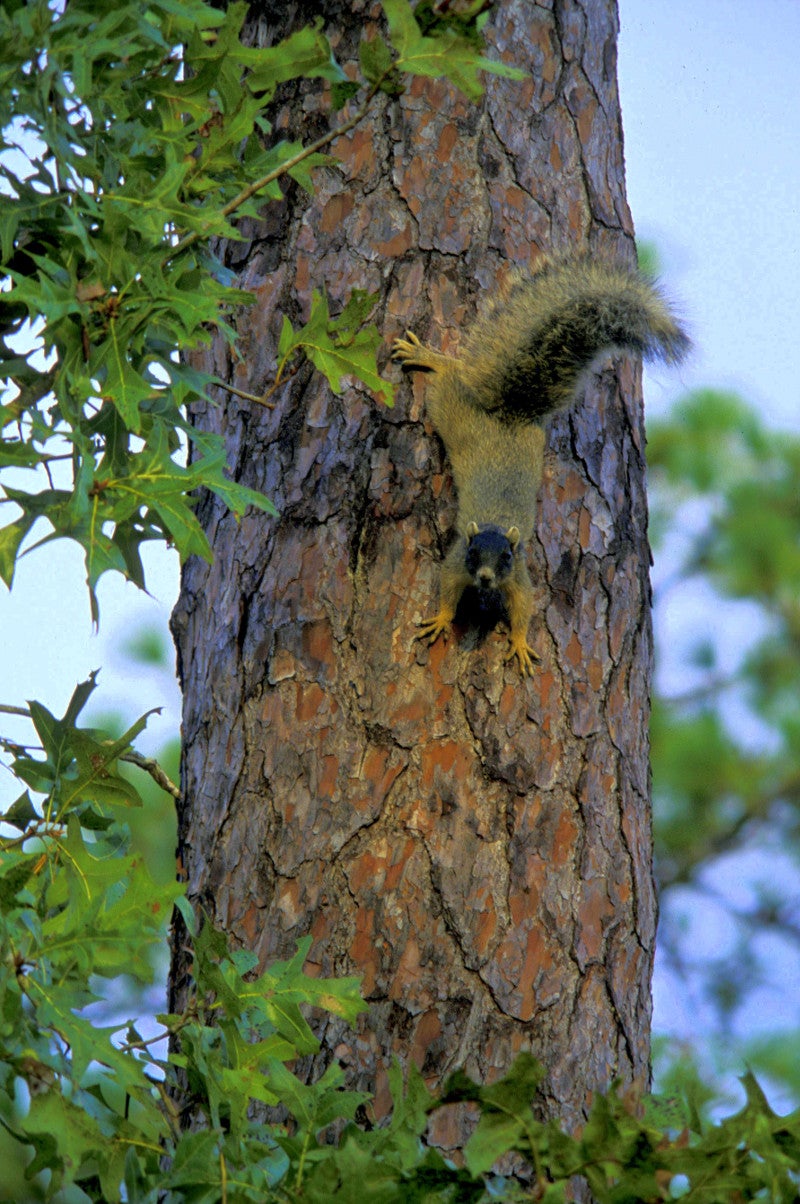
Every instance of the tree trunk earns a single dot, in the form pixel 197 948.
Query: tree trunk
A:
pixel 475 844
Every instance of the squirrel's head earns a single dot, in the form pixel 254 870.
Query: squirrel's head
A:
pixel 490 554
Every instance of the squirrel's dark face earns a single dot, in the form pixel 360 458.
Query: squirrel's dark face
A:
pixel 490 556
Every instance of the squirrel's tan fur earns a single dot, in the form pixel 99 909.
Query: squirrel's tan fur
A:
pixel 522 360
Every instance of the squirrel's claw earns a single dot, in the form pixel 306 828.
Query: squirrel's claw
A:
pixel 407 349
pixel 409 343
pixel 524 654
pixel 431 629
pixel 414 356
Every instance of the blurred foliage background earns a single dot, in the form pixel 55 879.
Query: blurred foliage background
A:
pixel 725 526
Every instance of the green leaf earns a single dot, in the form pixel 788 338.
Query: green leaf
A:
pixel 301 172
pixel 376 59
pixel 21 813
pixel 79 766
pixel 196 1161
pixel 62 1134
pixel 159 485
pixel 494 1136
pixel 404 31
pixel 449 54
pixel 506 1117
pixel 342 92
pixel 16 453
pixel 188 913
pixel 15 871
pixel 11 536
pixel 117 899
pixel 315 1107
pixel 209 470
pixel 285 981
pixel 306 52
pixel 515 1091
pixel 80 696
pixel 121 383
pixel 334 347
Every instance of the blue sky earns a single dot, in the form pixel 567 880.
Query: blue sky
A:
pixel 712 145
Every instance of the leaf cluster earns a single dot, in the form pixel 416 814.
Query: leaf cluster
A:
pixel 77 910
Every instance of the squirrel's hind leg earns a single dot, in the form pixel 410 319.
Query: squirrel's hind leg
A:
pixel 413 356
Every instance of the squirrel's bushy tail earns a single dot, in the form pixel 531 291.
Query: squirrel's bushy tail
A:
pixel 526 353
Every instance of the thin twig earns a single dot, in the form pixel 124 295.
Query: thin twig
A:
pixel 41 829
pixel 144 1042
pixel 263 400
pixel 154 769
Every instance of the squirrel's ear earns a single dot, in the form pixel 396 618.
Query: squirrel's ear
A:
pixel 512 535
pixel 472 530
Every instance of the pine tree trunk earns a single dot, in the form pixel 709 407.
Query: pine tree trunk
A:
pixel 476 845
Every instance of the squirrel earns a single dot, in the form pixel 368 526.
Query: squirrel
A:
pixel 521 361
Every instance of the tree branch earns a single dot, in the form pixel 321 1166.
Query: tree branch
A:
pixel 149 765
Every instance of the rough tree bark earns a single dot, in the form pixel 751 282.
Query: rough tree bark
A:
pixel 476 845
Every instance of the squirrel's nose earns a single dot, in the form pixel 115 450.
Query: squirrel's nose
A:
pixel 485 577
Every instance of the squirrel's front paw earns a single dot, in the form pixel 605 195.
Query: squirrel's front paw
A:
pixel 431 629
pixel 523 652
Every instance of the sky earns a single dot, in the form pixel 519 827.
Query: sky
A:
pixel 712 145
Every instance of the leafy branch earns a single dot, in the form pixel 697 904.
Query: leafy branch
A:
pixel 130 756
